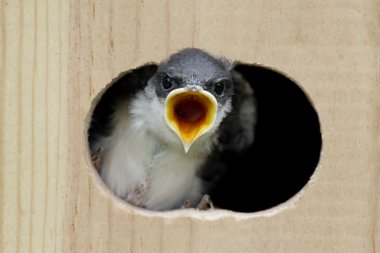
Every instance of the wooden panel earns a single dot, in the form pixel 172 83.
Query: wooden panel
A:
pixel 57 55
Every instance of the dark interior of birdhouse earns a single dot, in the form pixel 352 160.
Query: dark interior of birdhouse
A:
pixel 285 152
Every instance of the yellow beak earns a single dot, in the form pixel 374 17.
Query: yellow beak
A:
pixel 190 114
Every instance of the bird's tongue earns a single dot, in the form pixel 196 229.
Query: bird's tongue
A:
pixel 190 114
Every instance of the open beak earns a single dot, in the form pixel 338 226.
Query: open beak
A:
pixel 190 114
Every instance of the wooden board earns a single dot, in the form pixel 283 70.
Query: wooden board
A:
pixel 55 56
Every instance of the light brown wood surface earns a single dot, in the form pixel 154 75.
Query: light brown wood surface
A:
pixel 55 56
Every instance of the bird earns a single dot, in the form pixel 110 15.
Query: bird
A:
pixel 161 128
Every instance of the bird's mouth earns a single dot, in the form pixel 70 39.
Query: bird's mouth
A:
pixel 190 114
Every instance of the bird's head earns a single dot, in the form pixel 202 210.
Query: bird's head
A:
pixel 195 90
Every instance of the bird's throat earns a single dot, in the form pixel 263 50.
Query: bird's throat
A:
pixel 190 110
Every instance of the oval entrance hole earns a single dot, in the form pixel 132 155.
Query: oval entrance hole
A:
pixel 282 158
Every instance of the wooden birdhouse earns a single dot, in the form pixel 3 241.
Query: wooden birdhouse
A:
pixel 311 183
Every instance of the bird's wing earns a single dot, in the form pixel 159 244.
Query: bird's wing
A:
pixel 238 128
pixel 121 89
pixel 236 132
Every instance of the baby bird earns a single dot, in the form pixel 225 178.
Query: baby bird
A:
pixel 159 127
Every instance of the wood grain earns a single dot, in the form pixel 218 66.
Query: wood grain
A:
pixel 57 55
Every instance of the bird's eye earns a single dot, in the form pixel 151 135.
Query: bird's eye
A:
pixel 219 88
pixel 167 82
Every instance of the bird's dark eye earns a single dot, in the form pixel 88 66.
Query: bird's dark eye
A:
pixel 219 88
pixel 167 82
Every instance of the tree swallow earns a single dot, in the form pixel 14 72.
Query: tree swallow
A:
pixel 160 128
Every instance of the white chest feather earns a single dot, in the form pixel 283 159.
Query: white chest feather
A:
pixel 144 162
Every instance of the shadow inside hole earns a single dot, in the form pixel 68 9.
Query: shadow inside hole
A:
pixel 285 152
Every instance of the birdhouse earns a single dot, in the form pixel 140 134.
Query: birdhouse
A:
pixel 310 182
